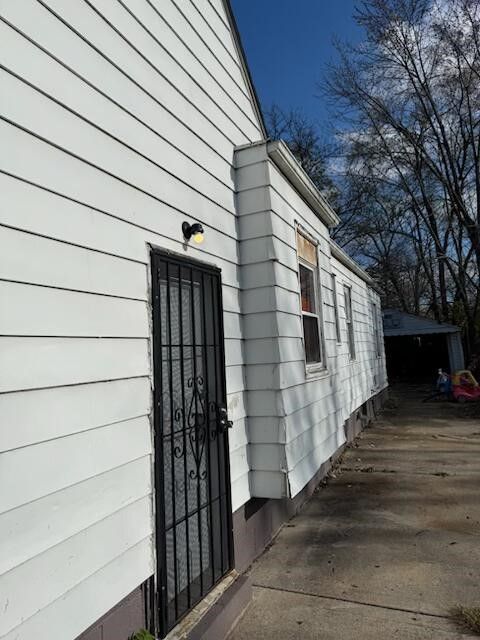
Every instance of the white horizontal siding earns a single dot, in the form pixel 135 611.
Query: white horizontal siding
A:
pixel 238 460
pixel 367 373
pixel 237 406
pixel 171 26
pixel 266 430
pixel 238 435
pixel 39 582
pixel 269 298
pixel 54 97
pixel 118 123
pixel 313 439
pixel 296 417
pixel 252 175
pixel 169 65
pixel 35 363
pixel 250 202
pixel 272 351
pixel 135 166
pixel 283 375
pixel 86 227
pixel 268 274
pixel 231 296
pixel 241 492
pixel 212 30
pixel 58 516
pixel 39 162
pixel 269 483
pixel 259 250
pixel 289 206
pixel 139 56
pixel 46 414
pixel 30 259
pixel 56 464
pixel 260 325
pixel 311 463
pixel 95 595
pixel 93 74
pixel 328 402
pixel 233 352
pixel 69 313
pixel 235 379
pixel 267 457
pixel 232 324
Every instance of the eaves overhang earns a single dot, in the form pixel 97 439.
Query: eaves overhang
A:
pixel 286 162
pixel 347 261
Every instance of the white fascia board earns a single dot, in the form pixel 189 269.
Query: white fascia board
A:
pixel 347 261
pixel 286 162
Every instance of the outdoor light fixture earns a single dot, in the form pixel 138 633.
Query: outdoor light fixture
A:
pixel 194 231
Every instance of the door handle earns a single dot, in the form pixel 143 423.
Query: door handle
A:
pixel 223 423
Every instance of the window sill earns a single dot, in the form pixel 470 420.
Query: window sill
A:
pixel 316 371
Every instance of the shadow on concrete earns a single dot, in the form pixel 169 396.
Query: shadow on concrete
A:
pixel 389 545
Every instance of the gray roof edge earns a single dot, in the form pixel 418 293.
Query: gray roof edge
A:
pixel 424 325
pixel 418 332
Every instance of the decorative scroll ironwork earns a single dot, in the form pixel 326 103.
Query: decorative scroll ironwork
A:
pixel 196 418
pixel 196 422
pixel 196 428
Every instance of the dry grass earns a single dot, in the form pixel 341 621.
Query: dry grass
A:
pixel 143 634
pixel 468 617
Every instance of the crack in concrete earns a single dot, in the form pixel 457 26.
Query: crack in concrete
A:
pixel 350 601
pixel 440 474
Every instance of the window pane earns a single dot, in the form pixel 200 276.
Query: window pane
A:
pixel 335 307
pixel 312 339
pixel 307 289
pixel 351 341
pixel 376 328
pixel 348 304
pixel 349 320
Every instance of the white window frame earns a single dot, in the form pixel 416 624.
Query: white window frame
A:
pixel 338 332
pixel 349 322
pixel 312 367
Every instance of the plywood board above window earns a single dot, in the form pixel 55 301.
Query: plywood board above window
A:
pixel 306 249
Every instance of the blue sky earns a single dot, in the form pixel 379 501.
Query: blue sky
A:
pixel 288 44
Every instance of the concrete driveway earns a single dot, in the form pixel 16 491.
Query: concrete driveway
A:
pixel 389 546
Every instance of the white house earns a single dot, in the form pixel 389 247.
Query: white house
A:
pixel 164 405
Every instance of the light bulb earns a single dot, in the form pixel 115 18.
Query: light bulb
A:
pixel 194 231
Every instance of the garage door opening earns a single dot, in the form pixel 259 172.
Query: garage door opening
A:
pixel 416 358
pixel 417 347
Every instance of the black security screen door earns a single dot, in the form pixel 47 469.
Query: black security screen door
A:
pixel 194 528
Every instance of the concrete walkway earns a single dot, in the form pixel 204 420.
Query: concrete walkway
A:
pixel 389 546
